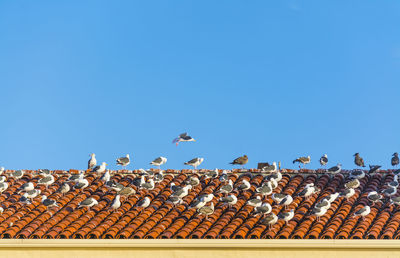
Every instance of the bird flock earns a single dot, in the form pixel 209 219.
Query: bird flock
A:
pixel 226 194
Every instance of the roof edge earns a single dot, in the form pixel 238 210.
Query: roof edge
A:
pixel 201 243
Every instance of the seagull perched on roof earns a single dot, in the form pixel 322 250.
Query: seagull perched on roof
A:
pixel 227 188
pixel 286 201
pixel 319 212
pixel 224 176
pixel 395 182
pixel 240 161
pixel 207 210
pixel 263 210
pixel 144 203
pixel 2 169
pixel 358 160
pixel 3 186
pixel 48 202
pixel 352 184
pixel 3 179
pixel 18 174
pixel 374 168
pixel 126 191
pixel 323 160
pixel 193 180
pixel 336 169
pixel 358 174
pixel 278 197
pixel 390 191
pixel 159 161
pixel 308 191
pixel 245 185
pixel 123 161
pixel 182 192
pixel 212 173
pixel 348 193
pixel 265 189
pixel 286 216
pixel 230 200
pixel 81 184
pixel 256 202
pixel 116 203
pixel 26 187
pixel 65 187
pixel 149 185
pixel 270 220
pixel 194 162
pixel 158 177
pixel 100 169
pixel 92 161
pixel 302 160
pixel 106 176
pixel 47 180
pixel 374 197
pixel 364 211
pixel 76 177
pixel 270 169
pixel 89 202
pixel 32 193
pixel 395 200
pixel 395 159
pixel 183 137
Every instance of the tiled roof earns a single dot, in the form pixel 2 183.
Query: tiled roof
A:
pixel 161 220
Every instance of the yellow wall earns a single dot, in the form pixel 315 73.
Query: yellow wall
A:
pixel 199 248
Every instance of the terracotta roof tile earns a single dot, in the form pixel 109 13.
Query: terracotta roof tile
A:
pixel 162 220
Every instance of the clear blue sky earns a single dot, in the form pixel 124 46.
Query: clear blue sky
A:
pixel 271 79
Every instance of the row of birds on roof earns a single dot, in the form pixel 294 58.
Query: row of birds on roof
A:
pixel 147 180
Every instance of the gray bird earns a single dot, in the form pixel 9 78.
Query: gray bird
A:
pixel 89 202
pixel 159 161
pixel 302 160
pixel 374 168
pixel 124 161
pixel 336 169
pixel 270 220
pixel 207 210
pixel 352 184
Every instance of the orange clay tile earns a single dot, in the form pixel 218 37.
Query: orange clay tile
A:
pixel 164 220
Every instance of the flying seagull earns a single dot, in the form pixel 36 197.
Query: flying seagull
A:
pixel 240 161
pixel 184 137
pixel 323 160
pixel 194 162
pixel 395 159
pixel 92 161
pixel 303 160
pixel 124 161
pixel 159 161
pixel 358 160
